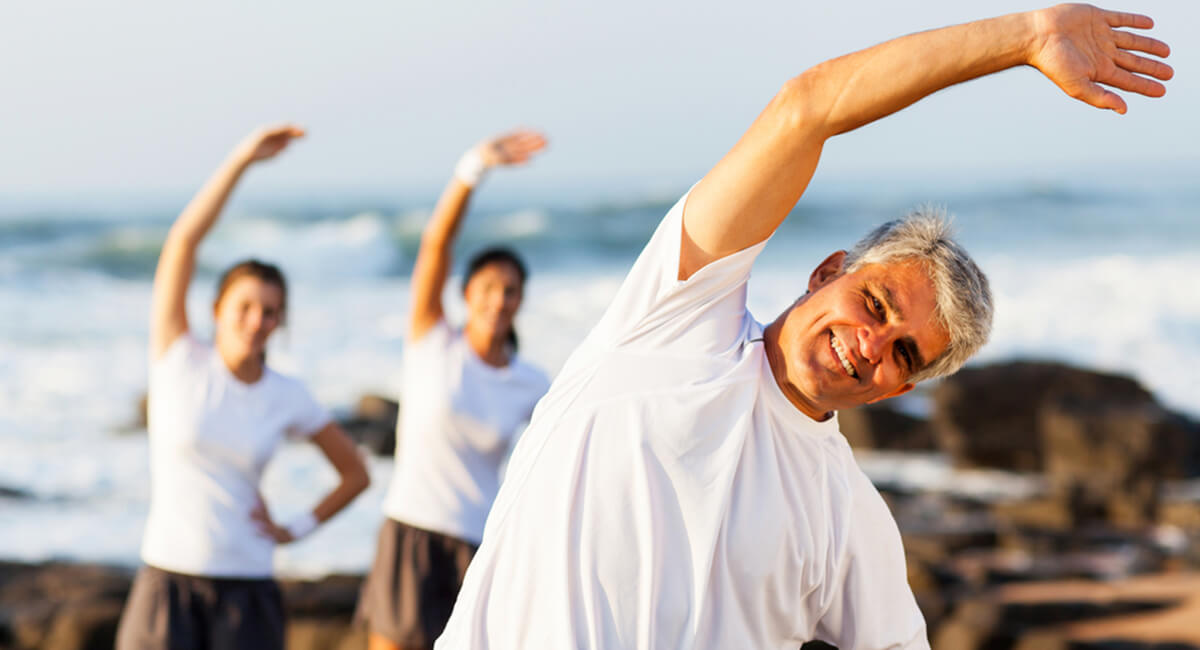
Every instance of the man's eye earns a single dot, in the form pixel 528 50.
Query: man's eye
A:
pixel 907 357
pixel 876 305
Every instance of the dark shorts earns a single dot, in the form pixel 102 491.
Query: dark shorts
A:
pixel 183 612
pixel 409 593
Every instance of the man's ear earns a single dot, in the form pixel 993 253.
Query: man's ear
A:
pixel 904 388
pixel 827 270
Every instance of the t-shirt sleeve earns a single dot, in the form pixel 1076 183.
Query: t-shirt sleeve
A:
pixel 873 607
pixel 308 416
pixel 655 308
pixel 425 359
pixel 433 342
pixel 183 352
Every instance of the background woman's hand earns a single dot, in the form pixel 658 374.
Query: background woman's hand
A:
pixel 267 142
pixel 511 148
pixel 266 526
pixel 1079 47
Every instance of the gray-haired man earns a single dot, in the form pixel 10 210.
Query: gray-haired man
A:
pixel 683 483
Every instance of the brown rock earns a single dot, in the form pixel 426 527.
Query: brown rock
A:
pixel 58 606
pixel 989 415
pixel 1045 513
pixel 973 625
pixel 373 424
pixel 1103 441
pixel 325 634
pixel 90 625
pixel 1078 614
pixel 1105 461
pixel 320 613
pixel 878 426
pixel 61 606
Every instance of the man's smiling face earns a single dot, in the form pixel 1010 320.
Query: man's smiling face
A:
pixel 855 338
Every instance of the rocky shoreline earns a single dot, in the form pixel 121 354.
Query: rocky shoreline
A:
pixel 1103 552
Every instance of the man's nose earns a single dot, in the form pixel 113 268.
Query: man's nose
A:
pixel 872 342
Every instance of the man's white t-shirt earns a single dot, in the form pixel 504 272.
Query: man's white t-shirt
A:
pixel 667 494
pixel 211 436
pixel 458 419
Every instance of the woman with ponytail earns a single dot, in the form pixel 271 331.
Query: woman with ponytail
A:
pixel 466 393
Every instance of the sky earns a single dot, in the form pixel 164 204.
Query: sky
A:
pixel 142 97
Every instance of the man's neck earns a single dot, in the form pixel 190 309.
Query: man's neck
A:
pixel 778 362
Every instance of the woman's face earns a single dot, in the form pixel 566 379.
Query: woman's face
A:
pixel 246 314
pixel 493 296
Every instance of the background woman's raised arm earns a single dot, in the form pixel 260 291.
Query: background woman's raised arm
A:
pixel 177 261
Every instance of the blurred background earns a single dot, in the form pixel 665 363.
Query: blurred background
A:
pixel 1085 221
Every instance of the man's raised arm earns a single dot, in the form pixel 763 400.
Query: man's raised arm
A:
pixel 742 200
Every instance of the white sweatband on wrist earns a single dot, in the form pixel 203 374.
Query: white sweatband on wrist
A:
pixel 470 168
pixel 301 525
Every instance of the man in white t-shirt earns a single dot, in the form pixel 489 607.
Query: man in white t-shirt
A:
pixel 683 484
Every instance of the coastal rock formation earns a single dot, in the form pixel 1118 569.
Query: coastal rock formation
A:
pixel 1156 611
pixel 77 607
pixel 878 426
pixel 59 606
pixel 990 416
pixel 372 424
pixel 1103 441
pixel 14 494
pixel 320 614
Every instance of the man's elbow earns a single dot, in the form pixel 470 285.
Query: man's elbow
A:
pixel 799 107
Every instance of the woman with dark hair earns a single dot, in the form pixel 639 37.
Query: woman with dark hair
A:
pixel 217 413
pixel 466 394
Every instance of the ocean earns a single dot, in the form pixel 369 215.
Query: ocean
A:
pixel 1091 269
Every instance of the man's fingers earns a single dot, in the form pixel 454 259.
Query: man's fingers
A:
pixel 1126 80
pixel 1139 43
pixel 1097 96
pixel 1142 65
pixel 1122 19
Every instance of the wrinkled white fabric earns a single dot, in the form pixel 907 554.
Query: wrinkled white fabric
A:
pixel 458 419
pixel 211 436
pixel 667 495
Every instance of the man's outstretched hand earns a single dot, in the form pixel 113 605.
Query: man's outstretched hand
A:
pixel 1079 47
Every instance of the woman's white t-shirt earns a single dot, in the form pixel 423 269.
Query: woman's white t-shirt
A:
pixel 666 494
pixel 211 436
pixel 458 418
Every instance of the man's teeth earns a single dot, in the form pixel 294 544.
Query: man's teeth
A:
pixel 841 356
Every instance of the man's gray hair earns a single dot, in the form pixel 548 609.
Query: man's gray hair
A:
pixel 964 300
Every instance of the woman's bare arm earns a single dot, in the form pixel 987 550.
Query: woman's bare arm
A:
pixel 177 261
pixel 437 241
